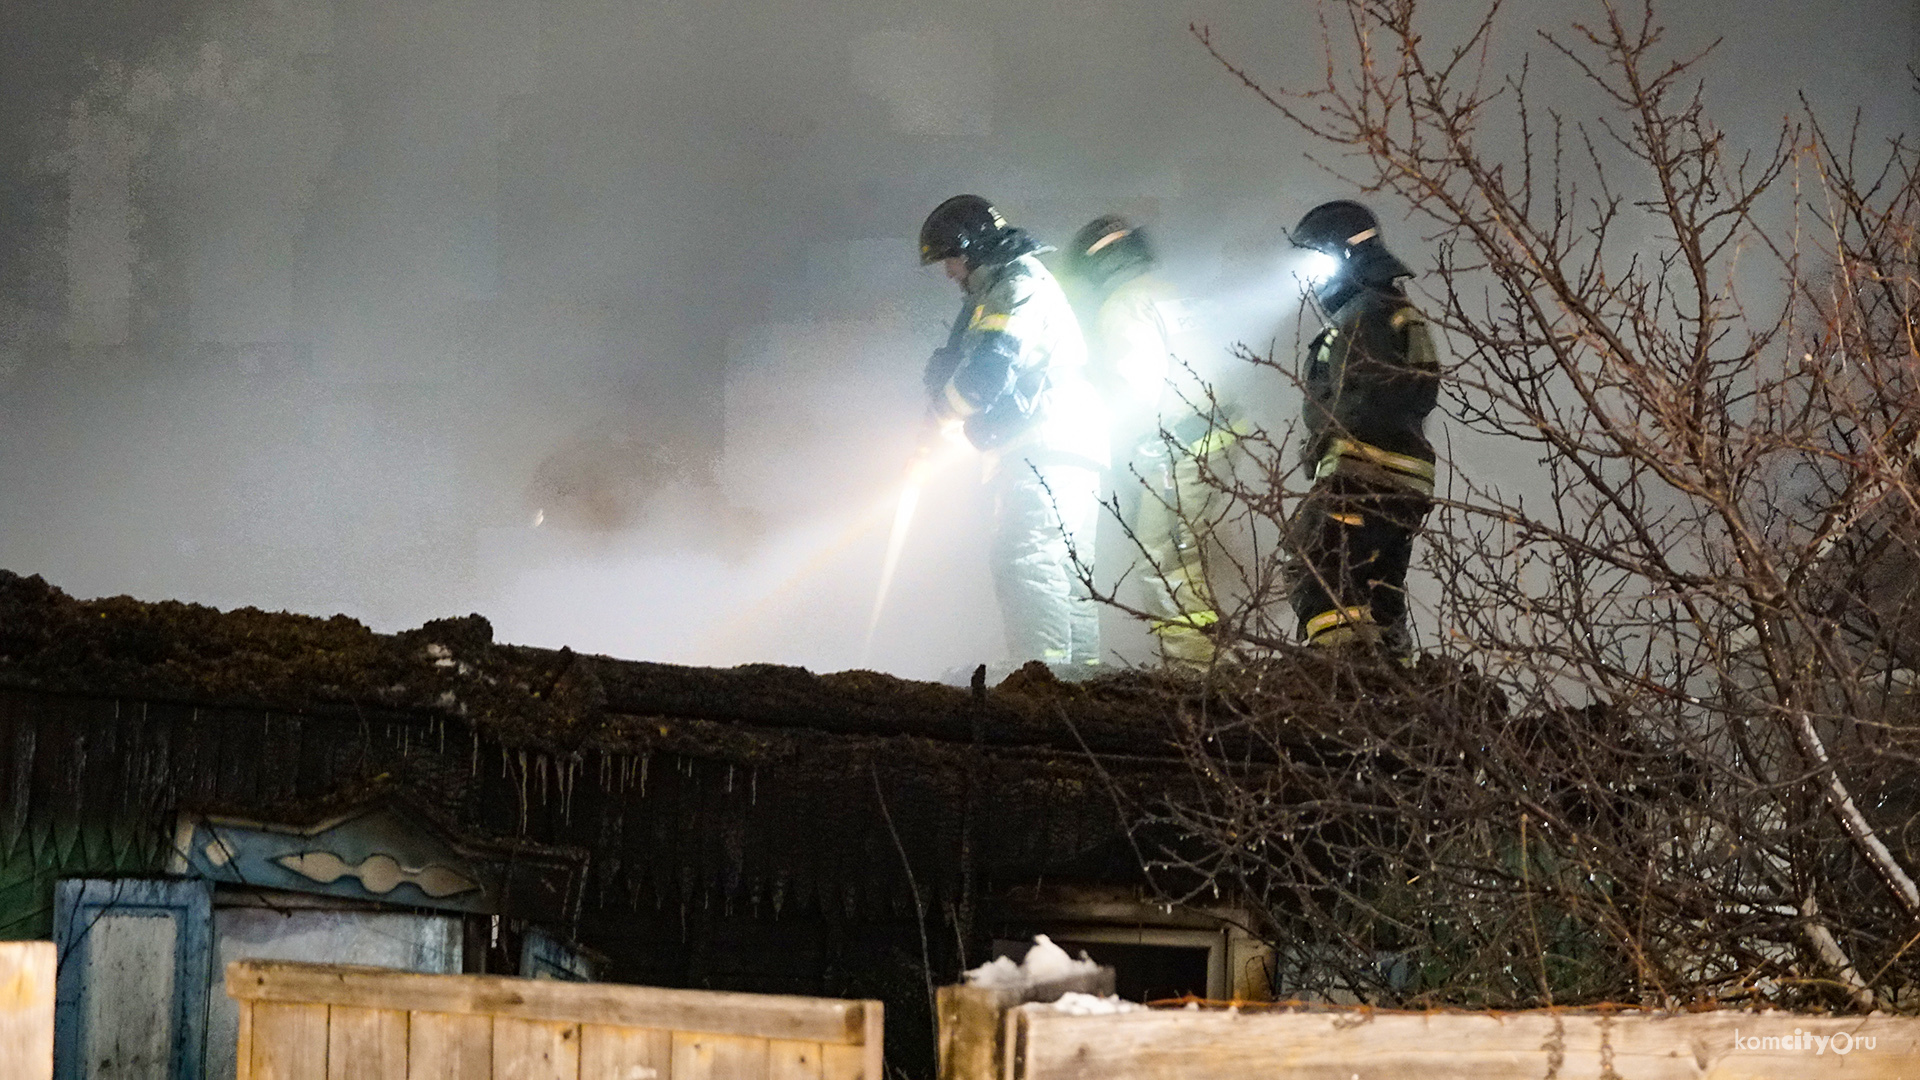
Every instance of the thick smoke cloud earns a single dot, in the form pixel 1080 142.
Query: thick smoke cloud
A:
pixel 324 305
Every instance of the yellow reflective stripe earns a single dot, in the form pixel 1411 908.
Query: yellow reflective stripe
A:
pixel 1193 620
pixel 991 322
pixel 1348 519
pixel 1325 621
pixel 1414 472
pixel 1217 440
pixel 1404 463
pixel 960 405
pixel 1343 635
pixel 1420 354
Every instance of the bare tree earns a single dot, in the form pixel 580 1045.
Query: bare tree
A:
pixel 1658 745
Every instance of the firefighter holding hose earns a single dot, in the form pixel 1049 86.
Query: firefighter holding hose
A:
pixel 1011 372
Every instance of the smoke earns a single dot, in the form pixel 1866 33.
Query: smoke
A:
pixel 322 306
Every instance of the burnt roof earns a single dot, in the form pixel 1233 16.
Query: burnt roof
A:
pixel 545 698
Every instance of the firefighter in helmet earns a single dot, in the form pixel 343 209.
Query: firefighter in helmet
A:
pixel 1177 429
pixel 1012 373
pixel 1371 377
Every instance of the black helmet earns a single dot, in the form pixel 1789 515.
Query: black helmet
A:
pixel 1349 232
pixel 1333 227
pixel 957 227
pixel 1108 250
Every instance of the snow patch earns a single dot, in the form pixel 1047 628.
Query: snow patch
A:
pixel 1045 963
pixel 1077 1004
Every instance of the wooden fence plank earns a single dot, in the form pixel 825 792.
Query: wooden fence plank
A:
pixel 622 1053
pixel 771 1016
pixel 1164 1045
pixel 535 1049
pixel 370 1043
pixel 787 1060
pixel 449 1046
pixel 698 1056
pixel 243 1052
pixel 865 1061
pixel 26 1009
pixel 289 1041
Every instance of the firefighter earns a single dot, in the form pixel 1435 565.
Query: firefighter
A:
pixel 1371 377
pixel 1178 429
pixel 1011 372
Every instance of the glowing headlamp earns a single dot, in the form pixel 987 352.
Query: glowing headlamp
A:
pixel 1317 267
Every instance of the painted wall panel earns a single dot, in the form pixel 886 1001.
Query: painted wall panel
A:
pixel 409 942
pixel 129 1004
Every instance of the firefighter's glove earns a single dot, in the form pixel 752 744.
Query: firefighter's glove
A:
pixel 940 369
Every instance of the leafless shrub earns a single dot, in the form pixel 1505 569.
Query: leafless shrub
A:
pixel 1659 743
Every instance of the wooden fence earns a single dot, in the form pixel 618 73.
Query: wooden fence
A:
pixel 1040 1042
pixel 327 1022
pixel 26 1010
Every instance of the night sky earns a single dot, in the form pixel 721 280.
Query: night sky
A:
pixel 321 305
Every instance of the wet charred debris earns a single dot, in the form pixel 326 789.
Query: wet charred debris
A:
pixel 563 702
pixel 556 701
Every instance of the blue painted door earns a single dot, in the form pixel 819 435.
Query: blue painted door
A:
pixel 132 997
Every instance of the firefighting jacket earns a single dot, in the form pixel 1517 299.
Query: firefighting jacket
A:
pixel 1137 337
pixel 1371 378
pixel 1012 368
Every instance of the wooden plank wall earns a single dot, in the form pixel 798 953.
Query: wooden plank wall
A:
pixel 327 1022
pixel 26 1010
pixel 1165 1044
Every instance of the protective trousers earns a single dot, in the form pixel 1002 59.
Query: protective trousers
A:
pixel 1045 608
pixel 1171 526
pixel 1354 542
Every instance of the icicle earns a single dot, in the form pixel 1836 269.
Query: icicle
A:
pixel 753 789
pixel 473 768
pixel 645 760
pixel 523 792
pixel 729 777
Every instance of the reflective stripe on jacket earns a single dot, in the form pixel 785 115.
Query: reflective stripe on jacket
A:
pixel 1372 377
pixel 1013 366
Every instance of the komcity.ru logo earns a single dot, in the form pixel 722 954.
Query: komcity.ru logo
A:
pixel 1840 1042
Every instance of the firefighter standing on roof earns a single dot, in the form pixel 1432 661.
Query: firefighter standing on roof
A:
pixel 1371 378
pixel 1012 373
pixel 1178 429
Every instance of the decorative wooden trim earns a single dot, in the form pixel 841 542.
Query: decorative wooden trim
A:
pixel 767 1016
